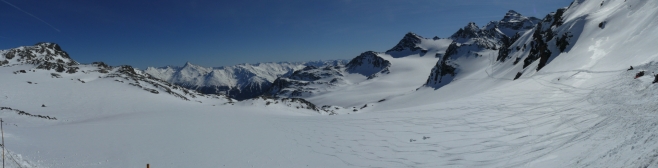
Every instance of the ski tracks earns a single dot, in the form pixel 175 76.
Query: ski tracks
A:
pixel 595 125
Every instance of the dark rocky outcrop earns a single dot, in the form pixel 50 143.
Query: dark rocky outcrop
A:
pixel 410 42
pixel 505 50
pixel 469 31
pixel 368 64
pixel 21 112
pixel 48 56
pixel 443 67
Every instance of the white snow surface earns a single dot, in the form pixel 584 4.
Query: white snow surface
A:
pixel 584 109
pixel 406 75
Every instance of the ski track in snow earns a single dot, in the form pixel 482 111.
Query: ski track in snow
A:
pixel 488 132
pixel 564 123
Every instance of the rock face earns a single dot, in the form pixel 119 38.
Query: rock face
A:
pixel 368 64
pixel 513 23
pixel 44 55
pixel 527 40
pixel 410 42
pixel 483 38
pixel 240 82
pixel 468 32
pixel 307 81
pixel 544 32
pixel 444 67
pixel 472 42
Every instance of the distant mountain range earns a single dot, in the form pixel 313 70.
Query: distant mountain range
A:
pixel 240 82
pixel 513 47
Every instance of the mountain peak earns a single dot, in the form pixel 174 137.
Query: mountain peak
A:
pixel 411 35
pixel 469 31
pixel 368 64
pixel 513 23
pixel 472 27
pixel 49 45
pixel 409 41
pixel 39 53
pixel 513 13
pixel 513 16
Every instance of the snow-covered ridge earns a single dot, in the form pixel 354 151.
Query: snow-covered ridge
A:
pixel 473 48
pixel 412 44
pixel 241 81
pixel 469 50
pixel 44 55
pixel 513 23
pixel 410 41
pixel 601 35
pixel 49 59
pixel 368 64
pixel 39 53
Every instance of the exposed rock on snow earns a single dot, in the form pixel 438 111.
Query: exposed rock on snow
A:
pixel 44 55
pixel 368 64
pixel 241 82
pixel 409 42
pixel 312 80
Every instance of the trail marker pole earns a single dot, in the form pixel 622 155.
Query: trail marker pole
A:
pixel 3 143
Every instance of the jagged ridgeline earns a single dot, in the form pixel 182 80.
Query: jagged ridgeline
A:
pixel 45 55
pixel 240 82
pixel 512 47
pixel 50 57
pixel 305 82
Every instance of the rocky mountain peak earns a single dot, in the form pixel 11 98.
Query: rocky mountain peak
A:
pixel 49 45
pixel 44 55
pixel 469 31
pixel 368 64
pixel 512 23
pixel 472 26
pixel 512 14
pixel 410 41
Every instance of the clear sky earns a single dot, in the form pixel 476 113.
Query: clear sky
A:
pixel 219 32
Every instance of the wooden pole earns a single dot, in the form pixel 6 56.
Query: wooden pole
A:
pixel 3 143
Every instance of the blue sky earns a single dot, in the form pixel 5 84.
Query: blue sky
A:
pixel 218 33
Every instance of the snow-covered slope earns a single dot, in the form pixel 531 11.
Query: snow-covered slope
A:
pixel 241 82
pixel 581 36
pixel 579 107
pixel 369 77
pixel 475 50
pixel 407 65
